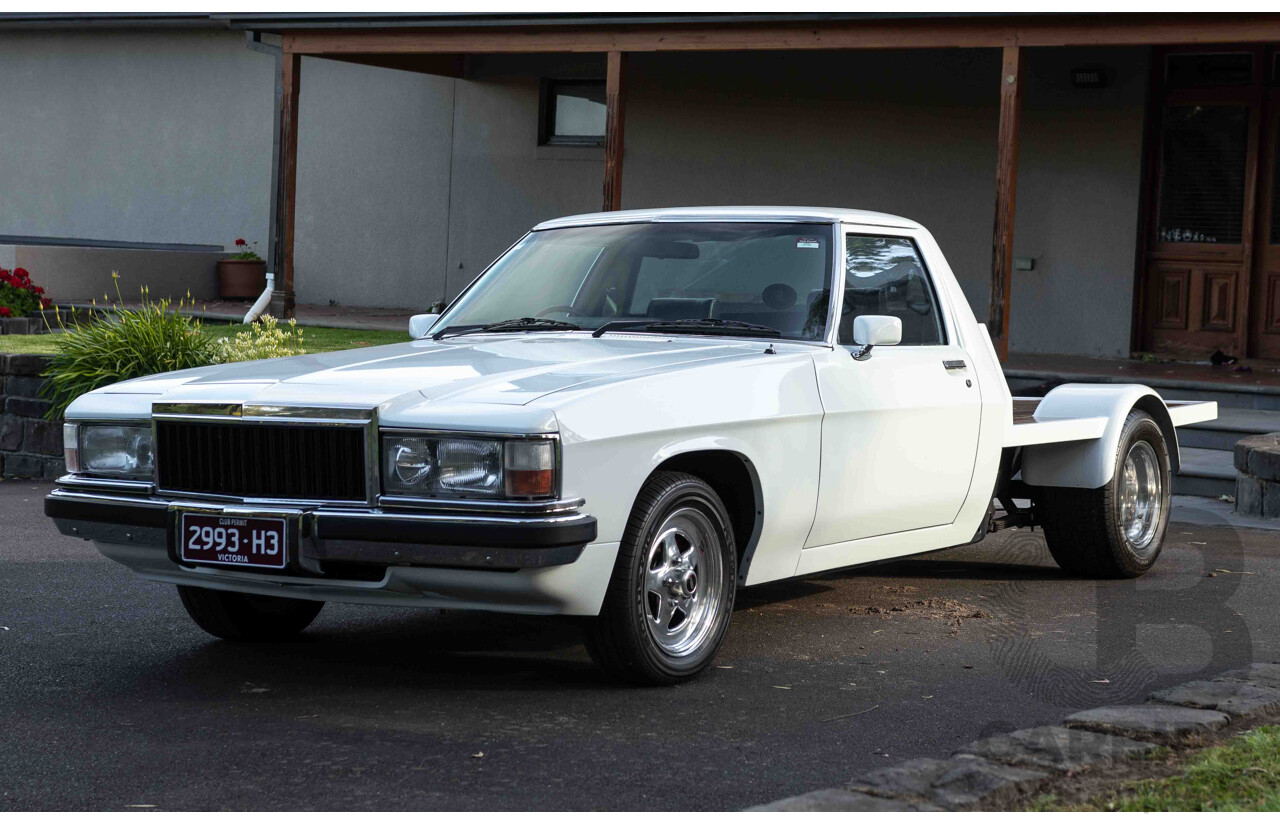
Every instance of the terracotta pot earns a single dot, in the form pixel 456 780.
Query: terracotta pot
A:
pixel 241 280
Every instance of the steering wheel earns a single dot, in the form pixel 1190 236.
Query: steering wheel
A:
pixel 558 308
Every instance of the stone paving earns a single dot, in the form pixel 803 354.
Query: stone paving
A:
pixel 1156 721
pixel 995 770
pixel 1056 748
pixel 1239 700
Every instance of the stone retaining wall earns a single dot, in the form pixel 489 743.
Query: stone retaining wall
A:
pixel 30 446
pixel 43 320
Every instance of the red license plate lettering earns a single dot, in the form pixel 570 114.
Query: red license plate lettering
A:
pixel 232 540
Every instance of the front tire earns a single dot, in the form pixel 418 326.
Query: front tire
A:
pixel 1115 531
pixel 671 595
pixel 242 617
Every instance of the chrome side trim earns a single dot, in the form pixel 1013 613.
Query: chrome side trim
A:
pixel 429 432
pixel 455 518
pixel 217 499
pixel 465 510
pixel 325 413
pixel 567 505
pixel 104 498
pixel 198 409
pixel 74 480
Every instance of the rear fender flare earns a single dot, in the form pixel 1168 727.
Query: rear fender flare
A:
pixel 1091 464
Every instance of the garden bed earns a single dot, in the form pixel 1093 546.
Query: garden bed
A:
pixel 31 445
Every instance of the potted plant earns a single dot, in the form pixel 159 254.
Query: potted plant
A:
pixel 243 276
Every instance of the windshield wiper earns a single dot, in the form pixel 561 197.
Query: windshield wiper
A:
pixel 704 326
pixel 510 325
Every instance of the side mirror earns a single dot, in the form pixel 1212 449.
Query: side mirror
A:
pixel 420 325
pixel 874 331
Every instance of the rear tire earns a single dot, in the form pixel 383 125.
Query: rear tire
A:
pixel 242 617
pixel 671 595
pixel 1115 531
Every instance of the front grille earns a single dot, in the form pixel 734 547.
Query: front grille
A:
pixel 289 461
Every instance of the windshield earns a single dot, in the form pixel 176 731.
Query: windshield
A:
pixel 776 275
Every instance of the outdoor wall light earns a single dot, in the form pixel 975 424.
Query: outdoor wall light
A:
pixel 1091 77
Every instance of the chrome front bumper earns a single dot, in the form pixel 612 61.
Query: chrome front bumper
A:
pixel 542 563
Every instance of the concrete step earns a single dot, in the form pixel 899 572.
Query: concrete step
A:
pixel 1231 425
pixel 1208 473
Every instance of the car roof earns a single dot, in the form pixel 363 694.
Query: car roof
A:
pixel 782 214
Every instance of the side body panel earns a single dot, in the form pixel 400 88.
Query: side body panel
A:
pixel 898 441
pixel 762 407
pixel 994 418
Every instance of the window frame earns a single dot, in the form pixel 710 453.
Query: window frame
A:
pixel 853 230
pixel 547 114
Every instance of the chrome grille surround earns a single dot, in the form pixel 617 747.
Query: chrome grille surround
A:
pixel 263 419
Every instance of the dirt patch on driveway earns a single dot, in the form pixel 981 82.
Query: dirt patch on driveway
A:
pixel 887 602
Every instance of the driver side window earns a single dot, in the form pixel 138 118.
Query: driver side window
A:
pixel 886 276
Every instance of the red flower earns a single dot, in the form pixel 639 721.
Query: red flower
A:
pixel 4 312
pixel 239 242
pixel 21 273
pixel 39 290
pixel 45 303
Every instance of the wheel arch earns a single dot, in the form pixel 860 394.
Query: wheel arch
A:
pixel 1091 464
pixel 735 480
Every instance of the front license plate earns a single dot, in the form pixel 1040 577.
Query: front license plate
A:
pixel 232 540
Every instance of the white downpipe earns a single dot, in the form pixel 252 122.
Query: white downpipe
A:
pixel 260 305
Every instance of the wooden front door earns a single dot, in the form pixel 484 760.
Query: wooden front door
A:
pixel 1266 279
pixel 1199 291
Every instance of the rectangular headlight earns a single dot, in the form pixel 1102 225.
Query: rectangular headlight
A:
pixel 122 451
pixel 427 466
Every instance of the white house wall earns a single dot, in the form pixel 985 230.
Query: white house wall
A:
pixel 409 184
pixel 374 149
pixel 151 136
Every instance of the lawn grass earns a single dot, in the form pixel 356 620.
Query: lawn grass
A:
pixel 314 339
pixel 1242 775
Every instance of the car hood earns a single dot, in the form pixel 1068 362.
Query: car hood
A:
pixel 458 373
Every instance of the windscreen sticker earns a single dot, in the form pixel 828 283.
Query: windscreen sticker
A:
pixel 808 243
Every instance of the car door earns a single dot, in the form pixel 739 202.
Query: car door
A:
pixel 900 428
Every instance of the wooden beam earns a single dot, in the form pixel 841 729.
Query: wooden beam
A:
pixel 901 33
pixel 1006 195
pixel 290 71
pixel 615 96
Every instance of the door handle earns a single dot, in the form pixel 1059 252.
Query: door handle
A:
pixel 954 365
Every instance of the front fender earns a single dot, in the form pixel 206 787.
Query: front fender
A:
pixel 1091 464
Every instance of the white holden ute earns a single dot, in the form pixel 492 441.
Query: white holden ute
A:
pixel 627 417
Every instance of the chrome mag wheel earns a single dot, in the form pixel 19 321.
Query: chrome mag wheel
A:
pixel 683 582
pixel 1141 495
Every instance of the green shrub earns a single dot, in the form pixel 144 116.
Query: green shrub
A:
pixel 265 339
pixel 131 344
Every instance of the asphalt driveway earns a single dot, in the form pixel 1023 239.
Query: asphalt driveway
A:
pixel 111 698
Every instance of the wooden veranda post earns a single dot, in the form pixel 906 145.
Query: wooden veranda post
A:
pixel 290 69
pixel 1006 192
pixel 615 117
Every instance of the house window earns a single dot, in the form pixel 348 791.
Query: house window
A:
pixel 573 113
pixel 1203 153
pixel 1198 70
